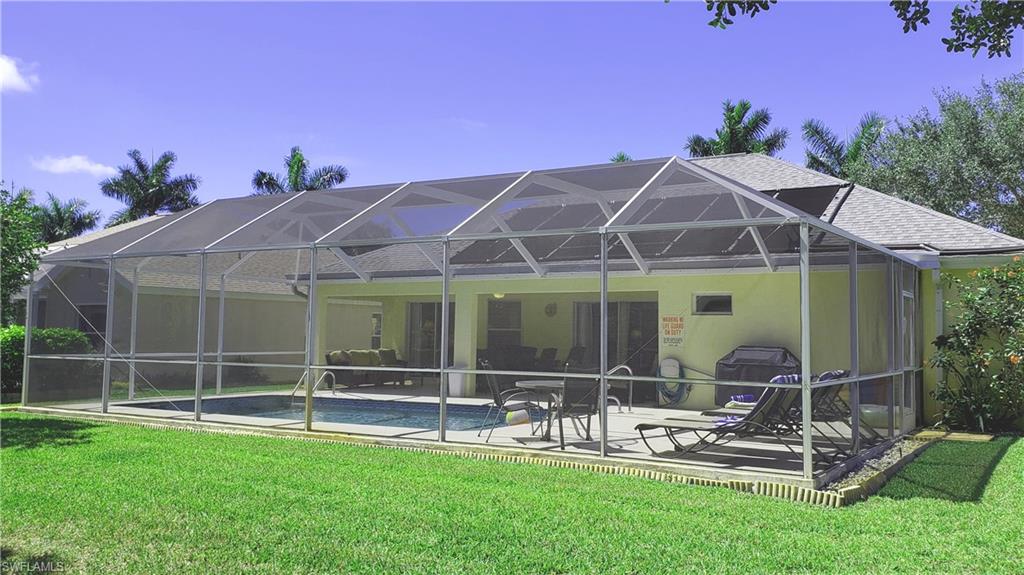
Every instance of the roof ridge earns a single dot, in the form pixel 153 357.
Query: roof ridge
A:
pixel 805 169
pixel 929 211
pixel 732 155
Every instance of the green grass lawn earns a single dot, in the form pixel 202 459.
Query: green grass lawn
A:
pixel 104 498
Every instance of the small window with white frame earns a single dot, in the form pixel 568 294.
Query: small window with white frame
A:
pixel 712 304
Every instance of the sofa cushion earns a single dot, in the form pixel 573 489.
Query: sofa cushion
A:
pixel 388 356
pixel 363 357
pixel 338 357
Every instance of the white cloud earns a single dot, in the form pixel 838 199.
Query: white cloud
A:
pixel 76 164
pixel 13 79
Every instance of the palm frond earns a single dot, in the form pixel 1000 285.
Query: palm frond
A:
pixel 775 141
pixel 816 163
pixel 119 217
pixel 141 167
pixel 161 169
pixel 266 183
pixel 699 146
pixel 298 169
pixel 825 153
pixel 756 124
pixel 326 177
pixel 821 140
pixel 869 132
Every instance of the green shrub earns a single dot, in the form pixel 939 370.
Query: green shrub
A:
pixel 60 340
pixel 982 353
pixel 44 340
pixel 12 354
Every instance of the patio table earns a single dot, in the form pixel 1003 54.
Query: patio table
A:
pixel 553 388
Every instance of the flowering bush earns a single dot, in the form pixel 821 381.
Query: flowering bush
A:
pixel 982 353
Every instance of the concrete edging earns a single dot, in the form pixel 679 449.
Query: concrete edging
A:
pixel 872 484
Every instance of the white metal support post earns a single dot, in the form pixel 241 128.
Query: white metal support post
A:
pixel 899 392
pixel 220 333
pixel 310 336
pixel 854 350
pixel 443 377
pixel 108 333
pixel 134 331
pixel 603 396
pixel 200 338
pixel 805 350
pixel 29 318
pixel 939 315
pixel 890 317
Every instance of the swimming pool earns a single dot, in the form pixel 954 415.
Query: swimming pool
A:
pixel 410 414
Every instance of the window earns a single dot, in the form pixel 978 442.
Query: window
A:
pixel 712 304
pixel 92 321
pixel 40 318
pixel 504 323
pixel 424 334
pixel 632 334
pixel 376 323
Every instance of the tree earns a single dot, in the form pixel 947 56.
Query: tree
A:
pixel 299 178
pixel 827 154
pixel 620 158
pixel 740 133
pixel 149 189
pixel 60 220
pixel 976 24
pixel 966 160
pixel 19 246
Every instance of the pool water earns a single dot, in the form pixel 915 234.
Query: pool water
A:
pixel 410 414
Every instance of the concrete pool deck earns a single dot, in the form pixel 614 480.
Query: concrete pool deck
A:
pixel 742 459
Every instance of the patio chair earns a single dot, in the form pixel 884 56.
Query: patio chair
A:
pixel 548 360
pixel 576 357
pixel 768 418
pixel 579 400
pixel 507 401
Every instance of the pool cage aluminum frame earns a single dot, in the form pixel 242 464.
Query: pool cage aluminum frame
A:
pixel 614 227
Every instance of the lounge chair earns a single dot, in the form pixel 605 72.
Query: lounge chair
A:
pixel 768 417
pixel 826 407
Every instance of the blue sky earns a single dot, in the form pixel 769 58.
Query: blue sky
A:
pixel 413 91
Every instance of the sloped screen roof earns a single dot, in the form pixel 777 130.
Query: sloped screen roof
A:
pixel 656 211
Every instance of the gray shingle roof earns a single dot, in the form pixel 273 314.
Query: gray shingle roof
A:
pixel 869 214
pixel 893 222
pixel 766 173
pixel 101 233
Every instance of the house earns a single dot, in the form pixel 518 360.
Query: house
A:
pixel 737 264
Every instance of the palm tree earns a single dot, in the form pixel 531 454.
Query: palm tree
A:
pixel 299 177
pixel 828 155
pixel 148 189
pixel 59 220
pixel 620 158
pixel 740 133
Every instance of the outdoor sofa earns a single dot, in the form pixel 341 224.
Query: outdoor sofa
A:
pixel 367 358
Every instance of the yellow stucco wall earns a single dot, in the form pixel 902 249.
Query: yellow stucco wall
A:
pixel 766 311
